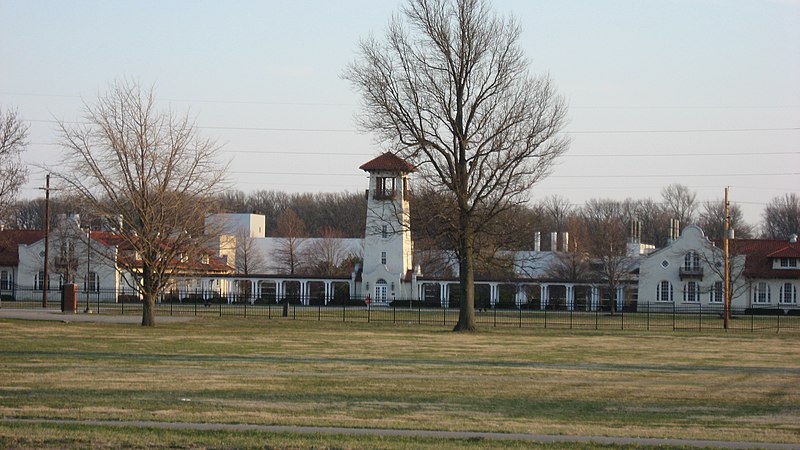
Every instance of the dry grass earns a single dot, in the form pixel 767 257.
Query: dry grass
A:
pixel 727 387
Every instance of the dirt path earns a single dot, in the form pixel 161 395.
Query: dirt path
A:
pixel 458 435
pixel 55 315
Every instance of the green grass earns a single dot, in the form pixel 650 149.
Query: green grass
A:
pixel 736 386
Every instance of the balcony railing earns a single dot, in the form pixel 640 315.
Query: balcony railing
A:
pixel 691 272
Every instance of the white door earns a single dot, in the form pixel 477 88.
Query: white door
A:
pixel 380 291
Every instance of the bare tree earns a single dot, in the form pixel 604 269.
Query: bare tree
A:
pixel 13 173
pixel 712 220
pixel 449 90
pixel 249 257
pixel 680 202
pixel 324 256
pixel 607 244
pixel 782 217
pixel 150 171
pixel 293 231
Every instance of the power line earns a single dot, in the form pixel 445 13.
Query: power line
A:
pixel 351 130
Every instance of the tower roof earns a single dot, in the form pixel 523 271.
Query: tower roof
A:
pixel 388 161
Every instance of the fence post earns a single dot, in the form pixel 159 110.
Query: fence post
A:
pixel 495 316
pixel 520 316
pixel 673 316
pixel 419 314
pixel 648 316
pixel 220 309
pixel 622 319
pixel 596 319
pixel 778 330
pixel 570 319
pixel 545 317
pixel 319 313
pixel 700 309
pixel 368 311
pixel 394 314
pixel 344 311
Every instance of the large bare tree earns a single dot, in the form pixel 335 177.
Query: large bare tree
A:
pixel 13 173
pixel 449 90
pixel 149 171
pixel 782 217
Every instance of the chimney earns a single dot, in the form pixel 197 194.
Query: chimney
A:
pixel 674 229
pixel 793 239
pixel 537 241
pixel 554 241
pixel 636 231
pixel 565 242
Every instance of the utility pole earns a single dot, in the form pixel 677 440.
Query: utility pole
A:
pixel 727 287
pixel 46 281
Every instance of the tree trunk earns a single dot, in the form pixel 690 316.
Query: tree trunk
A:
pixel 466 279
pixel 149 310
pixel 149 300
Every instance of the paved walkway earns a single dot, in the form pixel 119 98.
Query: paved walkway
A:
pixel 459 435
pixel 80 316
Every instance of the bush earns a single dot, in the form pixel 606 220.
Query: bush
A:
pixel 346 301
pixel 506 304
pixel 128 298
pixel 406 304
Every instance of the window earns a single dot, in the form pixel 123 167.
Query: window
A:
pixel 788 263
pixel 788 293
pixel 383 257
pixel 5 280
pixel 664 292
pixel 691 292
pixel 717 293
pixel 691 261
pixel 384 188
pixel 761 293
pixel 92 282
pixel 38 281
pixel 385 232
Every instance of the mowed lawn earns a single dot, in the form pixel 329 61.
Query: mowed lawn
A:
pixel 718 386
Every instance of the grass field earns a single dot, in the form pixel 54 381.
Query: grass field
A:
pixel 738 387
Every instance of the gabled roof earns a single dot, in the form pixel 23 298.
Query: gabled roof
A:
pixel 389 162
pixel 760 253
pixel 9 244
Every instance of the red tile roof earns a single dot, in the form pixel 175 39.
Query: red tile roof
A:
pixel 761 252
pixel 9 244
pixel 390 162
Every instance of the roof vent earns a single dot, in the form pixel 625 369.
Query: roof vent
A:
pixel 793 239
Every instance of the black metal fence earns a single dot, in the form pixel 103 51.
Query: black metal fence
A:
pixel 648 317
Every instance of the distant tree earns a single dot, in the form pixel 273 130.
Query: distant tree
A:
pixel 680 203
pixel 782 217
pixel 292 230
pixel 574 264
pixel 712 220
pixel 324 256
pixel 449 90
pixel 150 171
pixel 13 173
pixel 249 257
pixel 654 219
pixel 607 246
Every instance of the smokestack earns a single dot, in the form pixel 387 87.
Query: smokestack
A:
pixel 565 242
pixel 636 231
pixel 674 229
pixel 537 241
pixel 554 241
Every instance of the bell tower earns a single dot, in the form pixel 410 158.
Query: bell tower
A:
pixel 387 240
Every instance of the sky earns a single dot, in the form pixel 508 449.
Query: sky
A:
pixel 705 93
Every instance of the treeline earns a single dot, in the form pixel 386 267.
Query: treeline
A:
pixel 343 214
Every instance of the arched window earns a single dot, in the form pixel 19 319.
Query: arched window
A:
pixel 761 293
pixel 664 291
pixel 691 292
pixel 691 261
pixel 788 293
pixel 38 281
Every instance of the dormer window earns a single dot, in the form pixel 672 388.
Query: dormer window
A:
pixel 788 263
pixel 205 259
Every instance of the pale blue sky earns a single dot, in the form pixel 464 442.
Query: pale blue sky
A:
pixel 263 77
